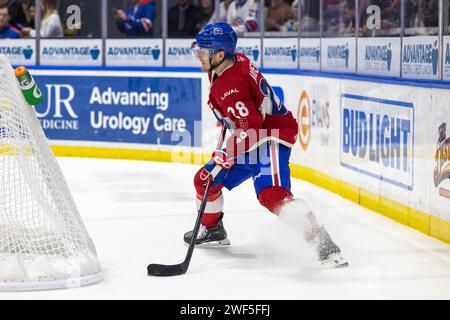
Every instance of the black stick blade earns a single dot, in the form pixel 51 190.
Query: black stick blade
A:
pixel 161 270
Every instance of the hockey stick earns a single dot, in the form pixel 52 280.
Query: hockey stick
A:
pixel 163 270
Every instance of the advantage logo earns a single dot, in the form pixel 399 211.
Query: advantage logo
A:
pixel 17 51
pixel 133 52
pixel 80 52
pixel 379 54
pixel 420 57
pixel 179 51
pixel 55 52
pixel 446 58
pixel 441 172
pixel 289 51
pixel 339 53
pixel 250 51
pixel 310 54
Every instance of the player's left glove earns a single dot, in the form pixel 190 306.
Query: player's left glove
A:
pixel 217 167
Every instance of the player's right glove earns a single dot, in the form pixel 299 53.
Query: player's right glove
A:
pixel 217 167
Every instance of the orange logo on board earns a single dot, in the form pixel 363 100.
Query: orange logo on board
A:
pixel 304 120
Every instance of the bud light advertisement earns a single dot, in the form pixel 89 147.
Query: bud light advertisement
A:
pixel 377 138
pixel 120 109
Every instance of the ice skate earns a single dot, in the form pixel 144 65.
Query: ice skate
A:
pixel 329 253
pixel 209 237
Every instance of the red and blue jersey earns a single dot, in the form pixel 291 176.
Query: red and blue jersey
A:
pixel 9 32
pixel 140 19
pixel 242 98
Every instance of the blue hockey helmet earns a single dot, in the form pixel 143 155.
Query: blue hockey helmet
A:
pixel 217 37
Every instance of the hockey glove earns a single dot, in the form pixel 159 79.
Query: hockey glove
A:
pixel 217 167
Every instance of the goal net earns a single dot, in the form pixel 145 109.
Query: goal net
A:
pixel 44 243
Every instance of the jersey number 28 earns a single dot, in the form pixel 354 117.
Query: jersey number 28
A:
pixel 241 108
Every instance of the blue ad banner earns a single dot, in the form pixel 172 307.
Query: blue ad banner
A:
pixel 121 109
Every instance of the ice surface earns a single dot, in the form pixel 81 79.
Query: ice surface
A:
pixel 137 212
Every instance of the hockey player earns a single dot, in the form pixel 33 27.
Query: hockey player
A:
pixel 263 133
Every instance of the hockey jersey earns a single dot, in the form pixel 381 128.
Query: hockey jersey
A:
pixel 242 98
pixel 140 19
pixel 242 15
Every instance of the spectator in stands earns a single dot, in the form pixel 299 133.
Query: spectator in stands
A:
pixel 310 12
pixel 204 15
pixel 278 14
pixel 420 16
pixel 51 26
pixel 180 20
pixel 347 23
pixel 137 19
pixel 411 14
pixel 223 10
pixel 29 9
pixel 390 14
pixel 339 17
pixel 429 13
pixel 292 24
pixel 6 31
pixel 242 15
pixel 15 11
pixel 331 16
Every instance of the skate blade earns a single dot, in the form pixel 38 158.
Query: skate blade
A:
pixel 342 265
pixel 335 262
pixel 213 244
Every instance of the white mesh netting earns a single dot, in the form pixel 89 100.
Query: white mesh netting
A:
pixel 43 241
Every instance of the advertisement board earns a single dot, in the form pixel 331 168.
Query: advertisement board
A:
pixel 179 54
pixel 126 52
pixel 446 58
pixel 420 57
pixel 339 54
pixel 147 110
pixel 309 53
pixel 385 146
pixel 251 48
pixel 379 56
pixel 281 53
pixel 71 52
pixel 19 52
pixel 377 138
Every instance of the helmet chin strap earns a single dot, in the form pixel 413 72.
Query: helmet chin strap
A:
pixel 212 66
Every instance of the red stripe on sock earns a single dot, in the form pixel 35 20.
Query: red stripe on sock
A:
pixel 210 220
